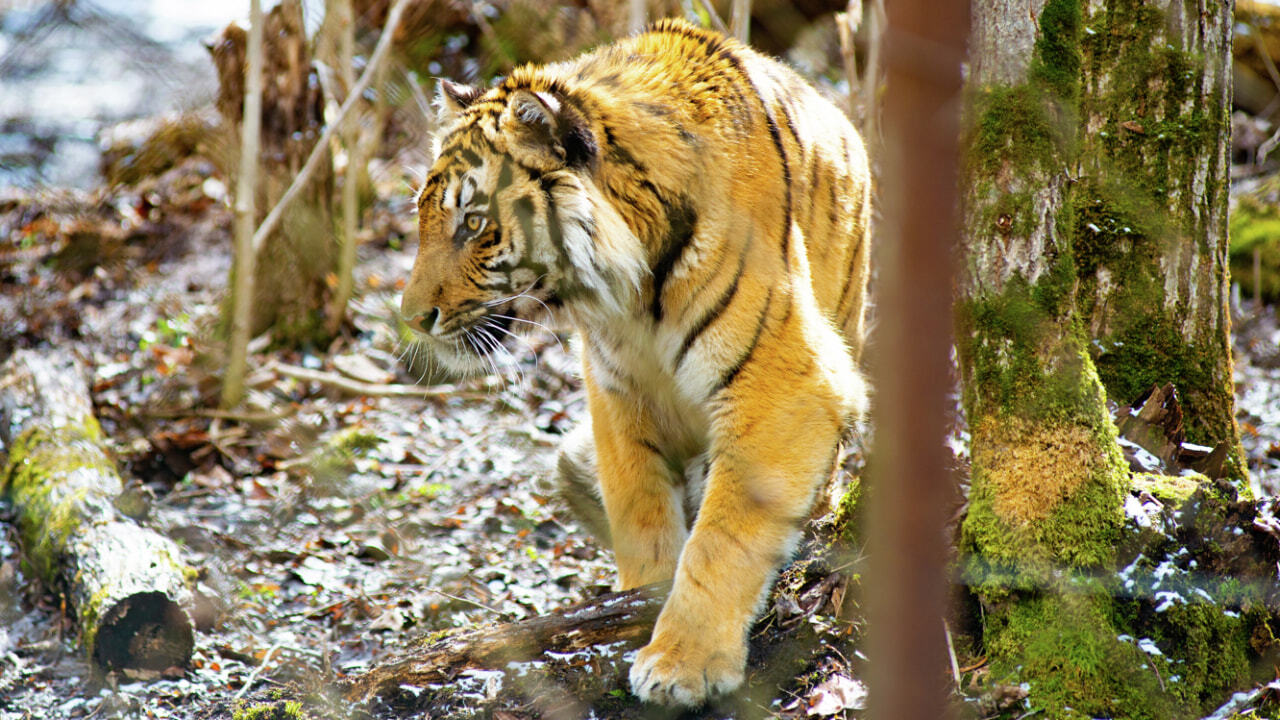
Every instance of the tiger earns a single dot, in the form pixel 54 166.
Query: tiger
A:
pixel 699 214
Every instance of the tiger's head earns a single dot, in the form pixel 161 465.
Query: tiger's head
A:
pixel 508 220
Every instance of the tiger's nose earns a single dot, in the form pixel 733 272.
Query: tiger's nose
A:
pixel 425 322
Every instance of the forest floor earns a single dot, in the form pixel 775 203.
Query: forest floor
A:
pixel 329 529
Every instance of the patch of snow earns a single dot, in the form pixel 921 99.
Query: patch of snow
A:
pixel 1141 455
pixel 1134 509
pixel 1167 599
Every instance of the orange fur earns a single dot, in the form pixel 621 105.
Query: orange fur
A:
pixel 700 214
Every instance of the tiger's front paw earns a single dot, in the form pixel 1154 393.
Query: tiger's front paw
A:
pixel 683 672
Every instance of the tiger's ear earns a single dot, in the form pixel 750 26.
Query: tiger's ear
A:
pixel 546 131
pixel 452 98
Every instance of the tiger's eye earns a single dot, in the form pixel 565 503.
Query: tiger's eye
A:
pixel 474 222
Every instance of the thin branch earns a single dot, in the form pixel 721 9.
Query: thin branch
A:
pixel 846 26
pixel 253 676
pixel 716 22
pixel 357 387
pixel 350 174
pixel 313 161
pixel 876 20
pixel 638 15
pixel 246 245
pixel 1261 45
pixel 740 21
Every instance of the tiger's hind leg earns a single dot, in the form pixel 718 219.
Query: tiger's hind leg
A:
pixel 578 484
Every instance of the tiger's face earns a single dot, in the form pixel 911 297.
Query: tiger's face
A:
pixel 502 217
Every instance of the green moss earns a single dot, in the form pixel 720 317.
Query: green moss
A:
pixel 1066 648
pixel 848 515
pixel 1209 651
pixel 276 710
pixel 1017 537
pixel 33 480
pixel 1170 490
pixel 1056 65
pixel 334 461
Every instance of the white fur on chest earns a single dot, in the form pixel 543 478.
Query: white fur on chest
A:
pixel 632 357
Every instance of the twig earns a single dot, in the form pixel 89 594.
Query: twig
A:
pixel 638 15
pixel 491 35
pixel 350 177
pixel 846 26
pixel 356 387
pixel 1266 55
pixel 716 22
pixel 951 650
pixel 254 675
pixel 313 160
pixel 218 413
pixel 740 21
pixel 876 20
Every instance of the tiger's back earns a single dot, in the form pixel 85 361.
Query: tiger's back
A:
pixel 748 133
pixel 700 215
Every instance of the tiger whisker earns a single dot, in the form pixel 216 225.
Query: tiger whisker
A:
pixel 488 321
pixel 534 323
pixel 489 324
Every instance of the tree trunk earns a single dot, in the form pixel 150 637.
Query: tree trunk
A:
pixel 126 584
pixel 1047 478
pixel 1049 485
pixel 297 262
pixel 1151 206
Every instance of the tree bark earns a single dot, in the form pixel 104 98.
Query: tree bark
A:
pixel 1151 206
pixel 1042 540
pixel 126 584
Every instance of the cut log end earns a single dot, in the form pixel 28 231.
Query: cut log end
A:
pixel 145 631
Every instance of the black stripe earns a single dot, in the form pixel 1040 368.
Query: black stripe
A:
pixel 683 220
pixel 814 180
pixel 854 247
pixel 716 311
pixel 786 178
pixel 727 55
pixel 728 378
pixel 832 211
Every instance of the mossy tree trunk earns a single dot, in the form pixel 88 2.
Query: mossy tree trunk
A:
pixel 1150 231
pixel 1048 480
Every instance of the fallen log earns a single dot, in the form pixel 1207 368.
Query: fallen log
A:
pixel 566 658
pixel 574 662
pixel 127 585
